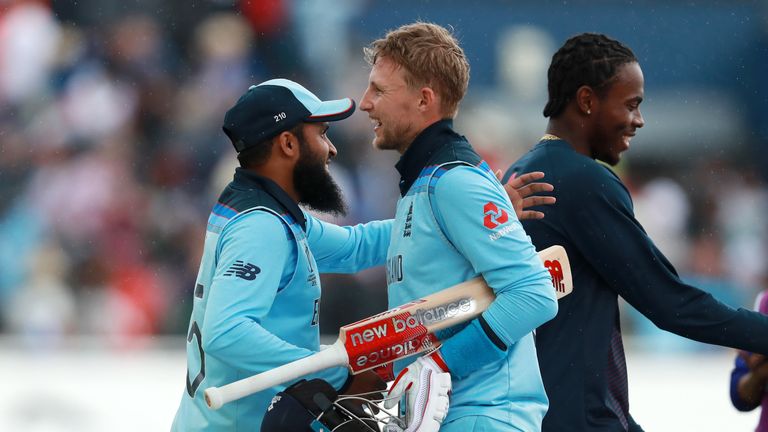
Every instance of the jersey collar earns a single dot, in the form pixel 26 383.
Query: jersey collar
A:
pixel 250 180
pixel 418 154
pixel 553 140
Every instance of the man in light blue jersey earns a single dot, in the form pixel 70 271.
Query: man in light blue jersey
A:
pixel 453 222
pixel 257 293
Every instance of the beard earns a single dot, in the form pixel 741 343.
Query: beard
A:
pixel 395 139
pixel 314 184
pixel 607 145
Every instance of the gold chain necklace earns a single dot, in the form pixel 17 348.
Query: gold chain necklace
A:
pixel 550 137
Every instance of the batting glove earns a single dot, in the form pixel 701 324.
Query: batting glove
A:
pixel 426 384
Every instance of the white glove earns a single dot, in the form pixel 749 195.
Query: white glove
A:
pixel 426 384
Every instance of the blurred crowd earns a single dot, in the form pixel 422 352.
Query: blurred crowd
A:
pixel 112 155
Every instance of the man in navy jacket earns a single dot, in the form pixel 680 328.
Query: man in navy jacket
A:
pixel 595 91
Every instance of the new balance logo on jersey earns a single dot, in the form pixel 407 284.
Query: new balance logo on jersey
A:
pixel 494 216
pixel 408 219
pixel 243 270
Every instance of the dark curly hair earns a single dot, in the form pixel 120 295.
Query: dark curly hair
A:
pixel 590 59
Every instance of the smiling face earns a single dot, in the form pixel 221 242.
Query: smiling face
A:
pixel 392 106
pixel 315 140
pixel 616 116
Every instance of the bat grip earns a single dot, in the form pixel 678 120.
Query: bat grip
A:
pixel 335 355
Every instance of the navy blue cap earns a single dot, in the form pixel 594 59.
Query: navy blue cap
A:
pixel 275 106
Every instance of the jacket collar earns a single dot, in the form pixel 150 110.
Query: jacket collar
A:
pixel 249 180
pixel 419 153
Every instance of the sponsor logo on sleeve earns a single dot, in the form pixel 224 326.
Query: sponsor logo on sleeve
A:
pixel 493 218
pixel 243 270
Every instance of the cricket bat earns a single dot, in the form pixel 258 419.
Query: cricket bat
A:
pixel 394 334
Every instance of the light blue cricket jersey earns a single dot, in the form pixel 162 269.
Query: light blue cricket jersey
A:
pixel 257 296
pixel 455 222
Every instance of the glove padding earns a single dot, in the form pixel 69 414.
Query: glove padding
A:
pixel 307 404
pixel 426 384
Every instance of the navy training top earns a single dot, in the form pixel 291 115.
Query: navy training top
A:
pixel 580 351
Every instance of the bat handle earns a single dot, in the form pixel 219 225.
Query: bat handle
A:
pixel 335 355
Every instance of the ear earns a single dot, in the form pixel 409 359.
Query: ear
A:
pixel 586 100
pixel 286 145
pixel 427 99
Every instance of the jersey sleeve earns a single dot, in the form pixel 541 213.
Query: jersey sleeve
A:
pixel 348 249
pixel 602 225
pixel 476 216
pixel 255 256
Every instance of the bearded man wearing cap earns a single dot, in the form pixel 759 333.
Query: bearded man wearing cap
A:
pixel 257 294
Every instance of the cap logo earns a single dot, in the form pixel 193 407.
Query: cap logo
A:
pixel 279 116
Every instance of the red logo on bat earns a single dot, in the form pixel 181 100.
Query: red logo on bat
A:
pixel 556 272
pixel 494 216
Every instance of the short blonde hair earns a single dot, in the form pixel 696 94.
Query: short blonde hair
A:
pixel 431 56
